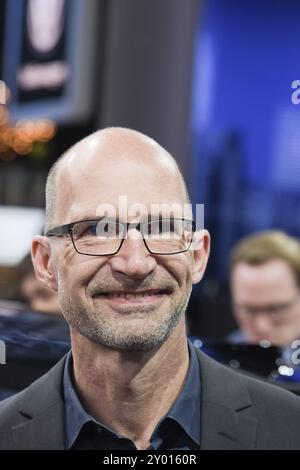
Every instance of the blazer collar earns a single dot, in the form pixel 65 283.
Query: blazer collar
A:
pixel 42 408
pixel 226 421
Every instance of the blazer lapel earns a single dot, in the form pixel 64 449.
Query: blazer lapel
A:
pixel 224 429
pixel 42 411
pixel 226 421
pixel 41 432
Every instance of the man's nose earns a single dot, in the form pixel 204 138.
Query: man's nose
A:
pixel 133 259
pixel 262 323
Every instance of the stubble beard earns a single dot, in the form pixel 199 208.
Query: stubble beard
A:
pixel 104 331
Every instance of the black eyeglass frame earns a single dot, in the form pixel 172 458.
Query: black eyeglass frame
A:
pixel 68 229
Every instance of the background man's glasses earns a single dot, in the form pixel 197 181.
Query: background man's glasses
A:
pixel 271 310
pixel 105 237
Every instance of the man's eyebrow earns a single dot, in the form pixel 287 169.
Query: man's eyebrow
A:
pixel 143 219
pixel 87 218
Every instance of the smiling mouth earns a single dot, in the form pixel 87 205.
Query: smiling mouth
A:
pixel 142 296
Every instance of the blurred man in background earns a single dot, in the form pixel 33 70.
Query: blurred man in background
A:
pixel 265 288
pixel 38 297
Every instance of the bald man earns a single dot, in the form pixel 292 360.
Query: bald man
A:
pixel 122 251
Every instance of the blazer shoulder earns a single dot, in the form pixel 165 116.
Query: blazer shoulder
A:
pixel 278 413
pixel 222 384
pixel 273 396
pixel 33 399
pixel 271 410
pixel 9 410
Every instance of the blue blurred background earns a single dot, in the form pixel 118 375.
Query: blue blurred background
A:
pixel 245 128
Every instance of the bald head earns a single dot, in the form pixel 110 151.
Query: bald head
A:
pixel 112 161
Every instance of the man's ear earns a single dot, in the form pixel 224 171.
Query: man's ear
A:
pixel 201 247
pixel 42 262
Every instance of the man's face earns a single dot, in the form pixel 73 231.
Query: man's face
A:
pixel 93 291
pixel 266 302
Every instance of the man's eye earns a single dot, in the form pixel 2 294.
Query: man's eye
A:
pixel 91 230
pixel 106 229
pixel 86 230
pixel 162 227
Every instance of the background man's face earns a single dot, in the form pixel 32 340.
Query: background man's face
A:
pixel 38 296
pixel 266 302
pixel 83 281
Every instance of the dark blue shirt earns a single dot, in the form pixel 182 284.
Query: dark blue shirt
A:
pixel 179 429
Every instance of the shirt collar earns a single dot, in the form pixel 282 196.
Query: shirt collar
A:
pixel 75 415
pixel 185 411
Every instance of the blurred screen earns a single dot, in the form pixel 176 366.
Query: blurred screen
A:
pixel 18 226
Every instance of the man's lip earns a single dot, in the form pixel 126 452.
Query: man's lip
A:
pixel 127 292
pixel 134 299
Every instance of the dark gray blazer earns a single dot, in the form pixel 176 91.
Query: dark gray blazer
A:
pixel 238 412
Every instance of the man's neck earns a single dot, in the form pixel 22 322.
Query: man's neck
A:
pixel 130 392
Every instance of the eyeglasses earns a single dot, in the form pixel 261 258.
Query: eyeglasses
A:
pixel 105 237
pixel 271 310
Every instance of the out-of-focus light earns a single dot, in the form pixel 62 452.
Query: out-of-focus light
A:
pixel 198 343
pixel 45 130
pixel 25 133
pixel 21 137
pixel 265 343
pixel 285 370
pixel 45 23
pixel 23 149
pixel 26 129
pixel 234 364
pixel 4 116
pixel 8 94
pixel 5 94
pixel 7 136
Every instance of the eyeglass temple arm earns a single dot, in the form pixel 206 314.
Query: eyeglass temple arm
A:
pixel 58 231
pixel 65 229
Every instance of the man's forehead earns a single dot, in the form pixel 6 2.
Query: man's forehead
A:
pixel 96 167
pixel 91 202
pixel 126 211
pixel 101 171
pixel 116 146
pixel 269 278
pixel 110 183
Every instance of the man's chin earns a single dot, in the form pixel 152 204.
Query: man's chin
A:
pixel 131 343
pixel 130 333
